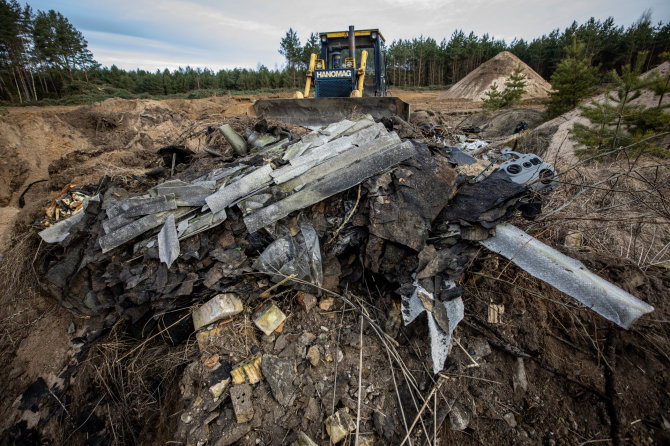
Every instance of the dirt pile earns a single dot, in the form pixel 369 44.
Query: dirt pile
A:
pixel 497 70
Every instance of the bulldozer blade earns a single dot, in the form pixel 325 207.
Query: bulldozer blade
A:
pixel 312 112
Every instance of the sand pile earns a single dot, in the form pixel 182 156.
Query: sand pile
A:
pixel 555 134
pixel 497 70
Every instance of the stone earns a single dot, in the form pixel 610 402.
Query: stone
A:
pixel 314 355
pixel 519 379
pixel 280 374
pixel 459 418
pixel 241 398
pixel 308 301
pixel 384 424
pixel 509 419
pixel 326 304
pixel 303 440
pixel 339 425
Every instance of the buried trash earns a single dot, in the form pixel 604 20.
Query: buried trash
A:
pixel 320 219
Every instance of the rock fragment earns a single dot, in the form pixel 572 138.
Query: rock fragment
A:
pixel 280 373
pixel 339 425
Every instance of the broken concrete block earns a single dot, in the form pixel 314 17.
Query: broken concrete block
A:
pixel 268 318
pixel 249 183
pixel 219 307
pixel 241 398
pixel 280 374
pixel 168 242
pixel 339 425
pixel 247 370
pixel 234 139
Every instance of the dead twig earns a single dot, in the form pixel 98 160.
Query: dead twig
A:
pixel 346 220
pixel 418 415
pixel 360 382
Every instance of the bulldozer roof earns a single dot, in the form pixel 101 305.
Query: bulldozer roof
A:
pixel 358 33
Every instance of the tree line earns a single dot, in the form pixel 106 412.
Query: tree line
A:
pixel 44 57
pixel 424 62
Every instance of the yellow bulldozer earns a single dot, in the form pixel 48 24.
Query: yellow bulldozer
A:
pixel 348 79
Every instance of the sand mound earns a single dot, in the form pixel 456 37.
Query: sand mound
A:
pixel 554 135
pixel 497 70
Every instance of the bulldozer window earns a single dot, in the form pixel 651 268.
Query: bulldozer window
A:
pixel 369 66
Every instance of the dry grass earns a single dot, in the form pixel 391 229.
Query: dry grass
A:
pixel 19 282
pixel 620 208
pixel 139 391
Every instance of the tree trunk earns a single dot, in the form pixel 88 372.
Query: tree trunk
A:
pixel 4 87
pixel 18 89
pixel 32 79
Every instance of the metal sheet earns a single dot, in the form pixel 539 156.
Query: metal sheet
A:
pixel 321 111
pixel 567 275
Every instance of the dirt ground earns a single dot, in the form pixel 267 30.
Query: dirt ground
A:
pixel 547 372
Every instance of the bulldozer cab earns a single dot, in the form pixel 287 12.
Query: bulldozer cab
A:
pixel 335 53
pixel 349 80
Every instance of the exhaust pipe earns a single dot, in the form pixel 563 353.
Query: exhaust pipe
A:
pixel 352 43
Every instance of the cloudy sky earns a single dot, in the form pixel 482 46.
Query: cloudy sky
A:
pixel 245 33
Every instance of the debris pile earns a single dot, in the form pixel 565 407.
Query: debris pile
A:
pixel 244 252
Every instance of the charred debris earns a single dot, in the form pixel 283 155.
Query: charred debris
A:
pixel 289 230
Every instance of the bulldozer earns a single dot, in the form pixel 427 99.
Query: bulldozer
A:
pixel 348 79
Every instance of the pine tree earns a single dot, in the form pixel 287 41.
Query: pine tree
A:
pixel 289 47
pixel 312 46
pixel 661 84
pixel 574 80
pixel 514 90
pixel 494 100
pixel 515 87
pixel 615 122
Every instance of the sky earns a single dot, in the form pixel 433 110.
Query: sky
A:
pixel 227 34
